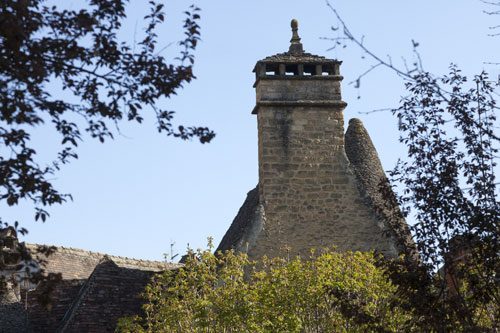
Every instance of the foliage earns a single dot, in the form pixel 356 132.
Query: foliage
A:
pixel 105 81
pixel 100 81
pixel 448 187
pixel 450 191
pixel 333 292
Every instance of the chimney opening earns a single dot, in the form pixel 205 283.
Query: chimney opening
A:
pixel 328 69
pixel 309 70
pixel 272 69
pixel 291 70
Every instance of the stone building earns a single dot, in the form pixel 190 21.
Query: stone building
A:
pixel 317 186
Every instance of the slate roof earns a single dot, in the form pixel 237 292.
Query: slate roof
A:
pixel 79 264
pixel 111 292
pixel 12 315
pixel 296 54
pixel 43 320
pixel 364 159
pixel 241 225
pixel 298 57
pixel 96 290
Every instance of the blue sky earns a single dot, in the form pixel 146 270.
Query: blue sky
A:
pixel 136 195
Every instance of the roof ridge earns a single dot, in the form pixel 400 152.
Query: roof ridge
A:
pixel 99 254
pixel 119 260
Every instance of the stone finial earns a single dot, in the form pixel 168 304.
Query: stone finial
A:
pixel 296 45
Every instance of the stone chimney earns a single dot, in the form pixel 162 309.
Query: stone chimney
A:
pixel 309 195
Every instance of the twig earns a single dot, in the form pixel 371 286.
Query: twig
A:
pixel 377 110
pixel 491 3
pixel 360 76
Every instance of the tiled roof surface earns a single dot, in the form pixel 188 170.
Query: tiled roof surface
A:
pixel 43 320
pixel 241 223
pixel 111 292
pixel 364 158
pixel 96 290
pixel 79 264
pixel 297 57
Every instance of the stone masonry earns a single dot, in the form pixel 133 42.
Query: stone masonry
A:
pixel 309 194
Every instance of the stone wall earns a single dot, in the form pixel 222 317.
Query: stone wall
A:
pixel 309 191
pixel 299 88
pixel 310 195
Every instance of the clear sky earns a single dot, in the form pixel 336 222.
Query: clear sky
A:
pixel 136 195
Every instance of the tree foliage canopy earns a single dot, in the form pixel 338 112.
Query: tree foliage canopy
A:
pixel 69 70
pixel 331 292
pixel 107 80
pixel 448 187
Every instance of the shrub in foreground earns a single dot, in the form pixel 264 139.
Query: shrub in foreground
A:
pixel 330 292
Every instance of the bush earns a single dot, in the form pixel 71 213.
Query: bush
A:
pixel 332 292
